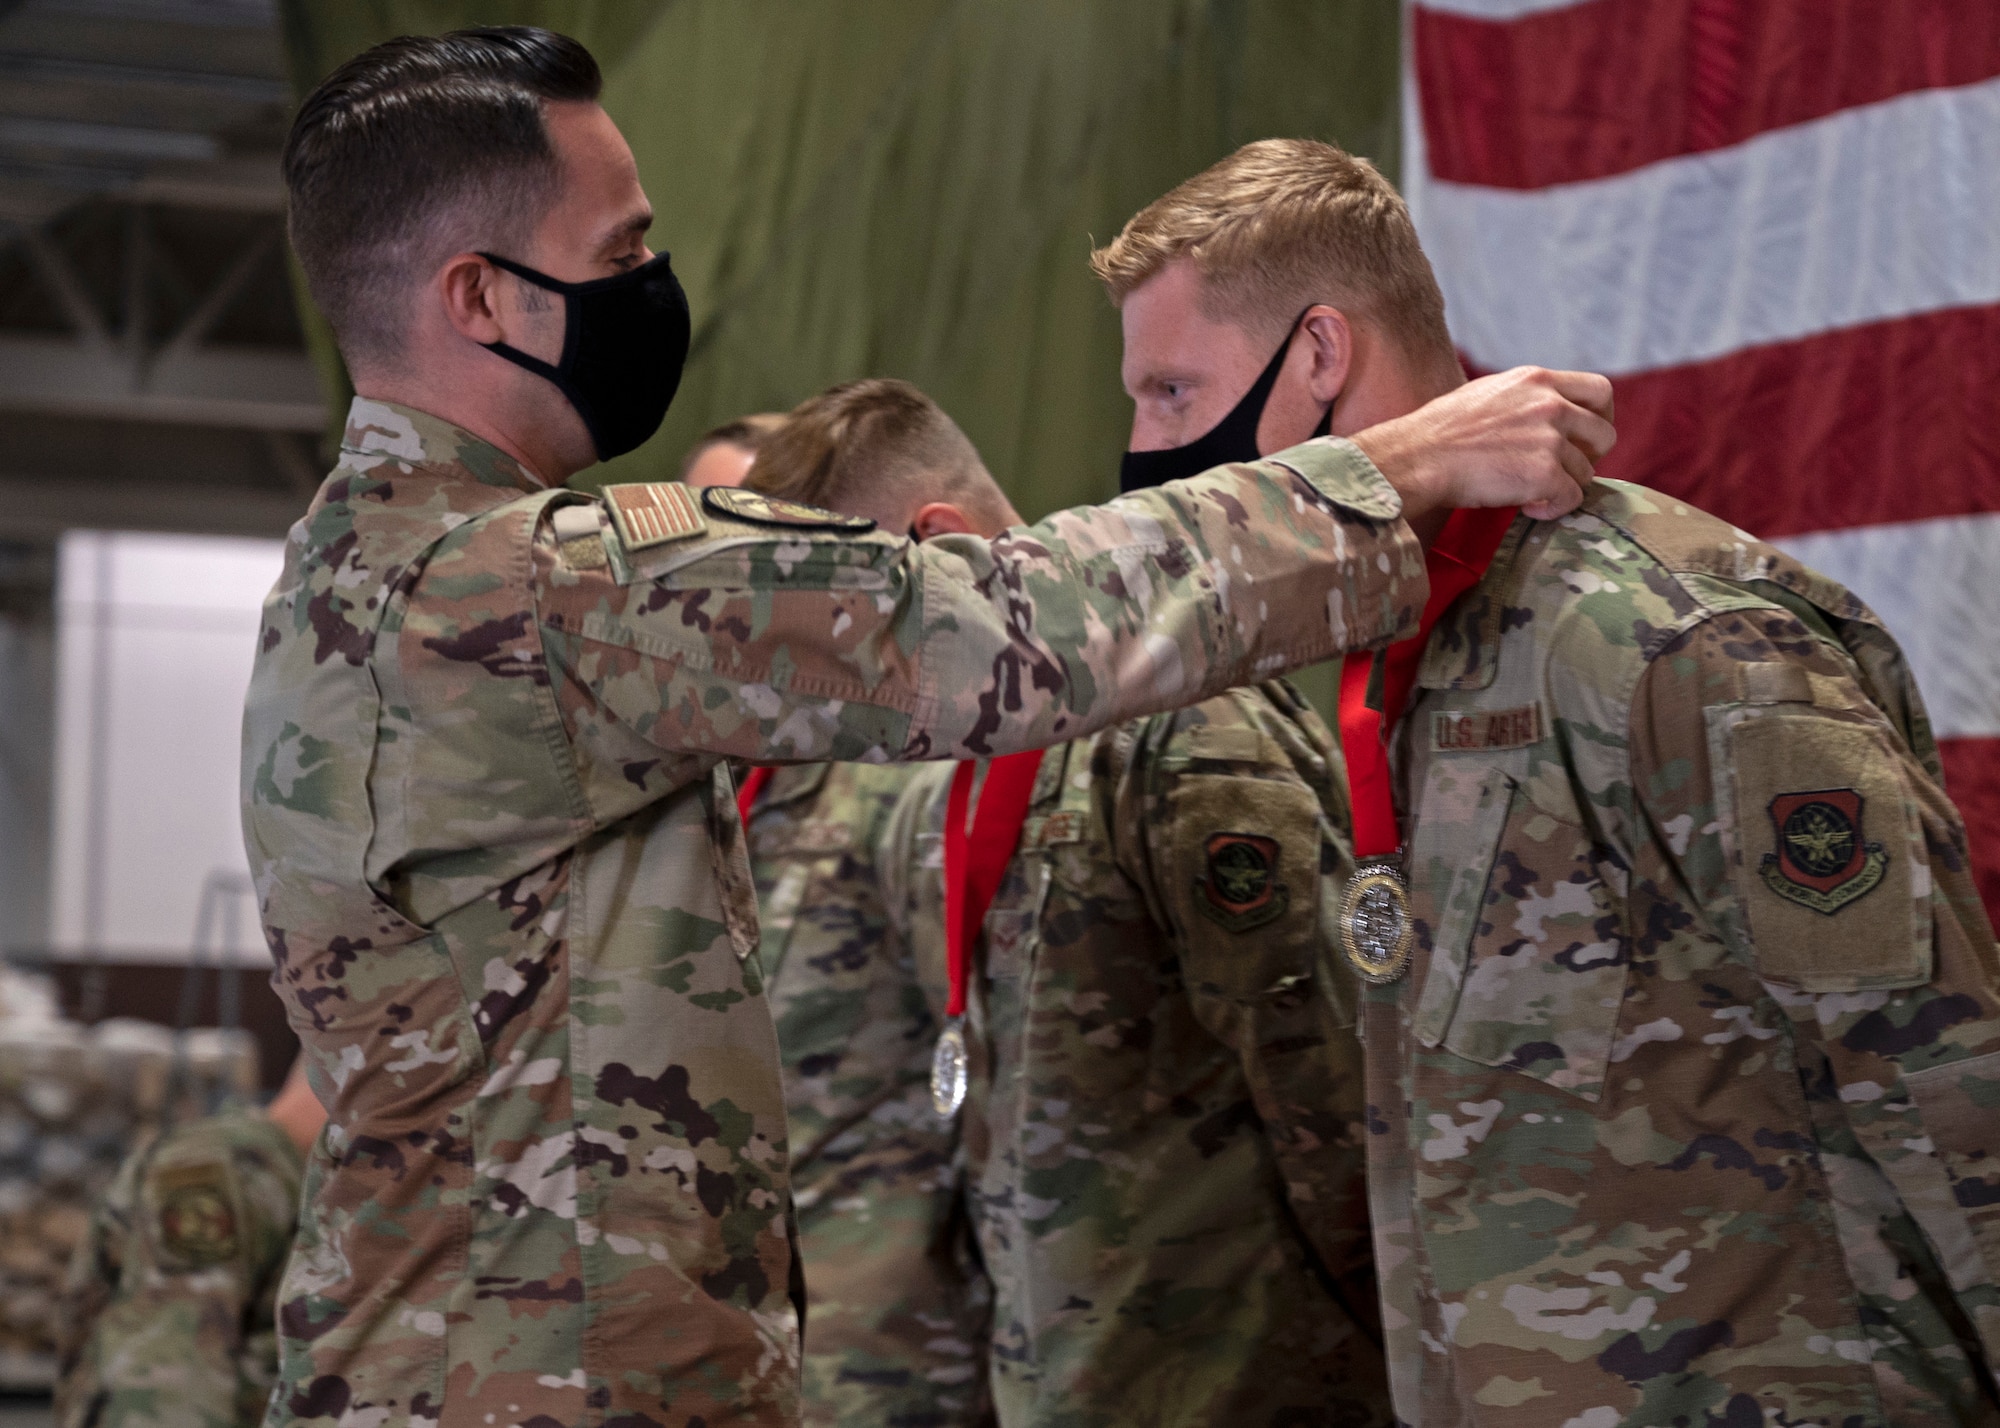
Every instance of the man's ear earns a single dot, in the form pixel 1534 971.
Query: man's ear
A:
pixel 469 288
pixel 941 518
pixel 1332 345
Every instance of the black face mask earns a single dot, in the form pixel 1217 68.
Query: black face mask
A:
pixel 623 349
pixel 1234 438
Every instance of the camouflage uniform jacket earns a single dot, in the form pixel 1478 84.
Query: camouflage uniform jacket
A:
pixel 503 879
pixel 1687 1111
pixel 898 1314
pixel 1164 1118
pixel 169 1305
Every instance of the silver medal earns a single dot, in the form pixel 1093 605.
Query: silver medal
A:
pixel 1376 933
pixel 949 1069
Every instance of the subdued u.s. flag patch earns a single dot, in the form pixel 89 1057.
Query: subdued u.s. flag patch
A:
pixel 649 513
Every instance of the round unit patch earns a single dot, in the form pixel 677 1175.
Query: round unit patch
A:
pixel 759 509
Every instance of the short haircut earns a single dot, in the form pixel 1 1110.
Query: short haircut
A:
pixel 1282 224
pixel 419 148
pixel 869 447
pixel 748 432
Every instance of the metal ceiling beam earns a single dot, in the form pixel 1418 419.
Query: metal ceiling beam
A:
pixel 255 388
pixel 40 510
pixel 236 88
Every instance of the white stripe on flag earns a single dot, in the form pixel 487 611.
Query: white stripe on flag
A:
pixel 1875 212
pixel 1932 584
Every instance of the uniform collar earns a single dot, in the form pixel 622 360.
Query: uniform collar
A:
pixel 380 432
pixel 1464 648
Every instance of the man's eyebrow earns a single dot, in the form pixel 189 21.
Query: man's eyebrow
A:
pixel 633 226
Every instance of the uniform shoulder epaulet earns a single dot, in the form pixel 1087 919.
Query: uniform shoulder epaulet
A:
pixel 1686 540
pixel 650 513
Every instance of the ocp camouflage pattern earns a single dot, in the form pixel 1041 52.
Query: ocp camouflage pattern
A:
pixel 898 1309
pixel 1164 1121
pixel 1654 1141
pixel 167 1319
pixel 504 885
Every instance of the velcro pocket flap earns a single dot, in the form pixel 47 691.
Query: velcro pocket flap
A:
pixel 1825 848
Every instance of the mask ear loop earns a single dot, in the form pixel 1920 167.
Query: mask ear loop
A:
pixel 572 320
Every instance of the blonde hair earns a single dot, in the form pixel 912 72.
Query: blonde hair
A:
pixel 1279 225
pixel 870 447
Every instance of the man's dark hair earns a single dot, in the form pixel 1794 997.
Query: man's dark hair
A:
pixel 419 148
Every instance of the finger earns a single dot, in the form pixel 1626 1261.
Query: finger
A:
pixel 1577 465
pixel 1586 430
pixel 1586 389
pixel 1555 506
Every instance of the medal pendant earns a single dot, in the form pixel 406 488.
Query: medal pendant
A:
pixel 949 1069
pixel 1376 934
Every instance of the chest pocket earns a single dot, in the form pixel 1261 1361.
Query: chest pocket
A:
pixel 1529 953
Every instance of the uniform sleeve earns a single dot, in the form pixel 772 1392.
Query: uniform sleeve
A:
pixel 1827 856
pixel 792 644
pixel 1232 817
pixel 167 1342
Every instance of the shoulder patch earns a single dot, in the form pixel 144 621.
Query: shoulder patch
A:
pixel 1240 887
pixel 763 510
pixel 649 513
pixel 197 1215
pixel 1821 859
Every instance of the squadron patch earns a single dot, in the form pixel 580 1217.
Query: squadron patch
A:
pixel 1821 860
pixel 197 1219
pixel 759 509
pixel 1240 887
pixel 649 513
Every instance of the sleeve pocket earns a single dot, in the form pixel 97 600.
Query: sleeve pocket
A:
pixel 1825 850
pixel 1243 883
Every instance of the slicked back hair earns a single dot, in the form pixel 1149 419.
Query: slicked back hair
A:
pixel 1279 225
pixel 878 447
pixel 419 148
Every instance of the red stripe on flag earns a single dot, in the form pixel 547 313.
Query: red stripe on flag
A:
pixel 1972 778
pixel 1605 87
pixel 1863 426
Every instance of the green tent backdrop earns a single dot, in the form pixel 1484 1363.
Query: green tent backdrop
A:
pixel 911 188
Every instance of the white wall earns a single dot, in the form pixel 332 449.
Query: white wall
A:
pixel 155 635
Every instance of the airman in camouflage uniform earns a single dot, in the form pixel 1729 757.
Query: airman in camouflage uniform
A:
pixel 485 798
pixel 1164 1118
pixel 1688 1110
pixel 897 1309
pixel 170 1297
pixel 504 883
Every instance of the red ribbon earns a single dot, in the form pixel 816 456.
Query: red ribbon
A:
pixel 1456 562
pixel 753 785
pixel 975 858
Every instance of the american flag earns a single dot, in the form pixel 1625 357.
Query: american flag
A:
pixel 1776 225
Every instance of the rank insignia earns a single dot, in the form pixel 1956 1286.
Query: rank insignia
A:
pixel 197 1221
pixel 759 509
pixel 1240 888
pixel 1821 860
pixel 649 513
